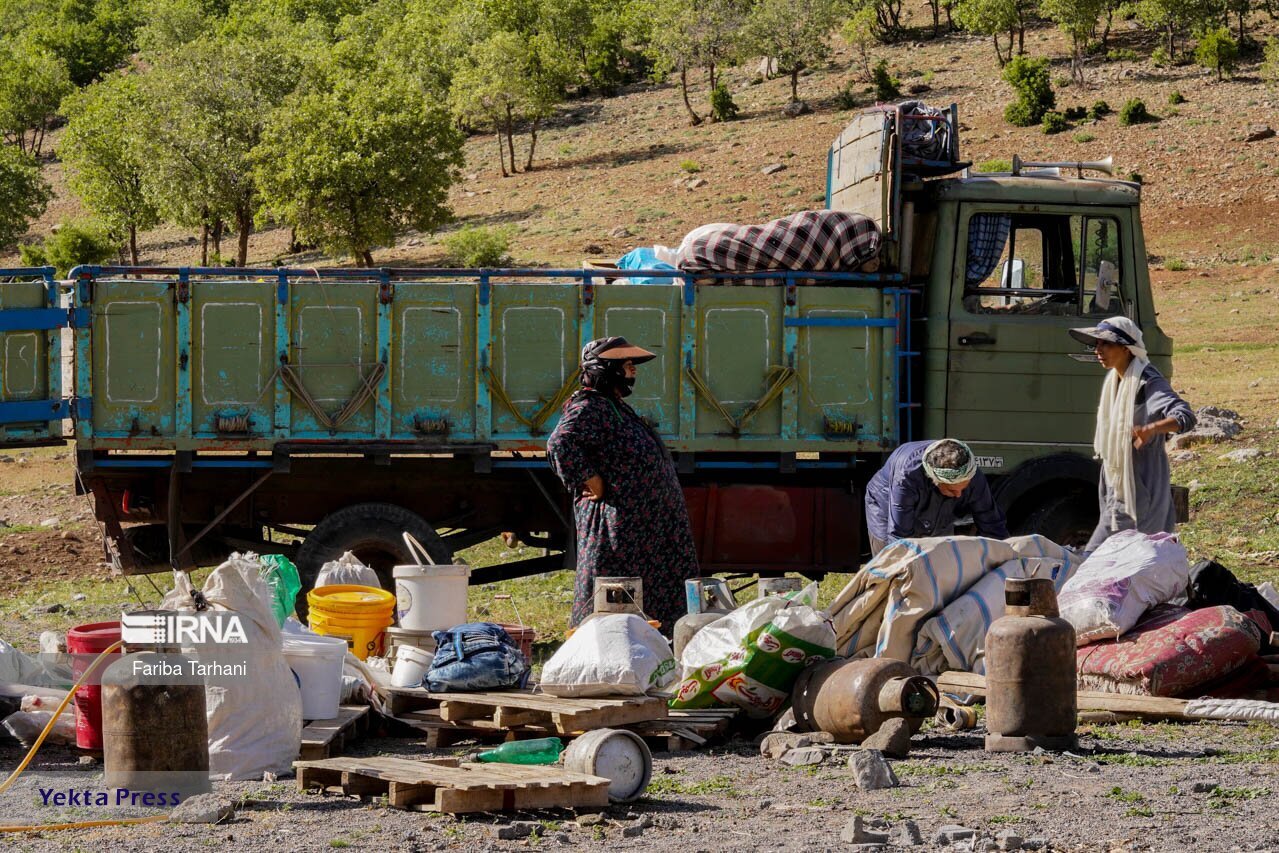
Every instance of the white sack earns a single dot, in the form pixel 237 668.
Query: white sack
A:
pixel 1128 573
pixel 255 720
pixel 615 655
pixel 346 569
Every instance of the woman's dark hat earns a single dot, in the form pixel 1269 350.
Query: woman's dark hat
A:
pixel 1103 331
pixel 615 348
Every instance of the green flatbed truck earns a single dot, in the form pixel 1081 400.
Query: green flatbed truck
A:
pixel 226 409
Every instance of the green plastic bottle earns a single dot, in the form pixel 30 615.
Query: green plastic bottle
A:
pixel 544 750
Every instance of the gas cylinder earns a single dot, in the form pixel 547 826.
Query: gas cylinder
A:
pixel 1030 672
pixel 851 699
pixel 155 735
pixel 689 624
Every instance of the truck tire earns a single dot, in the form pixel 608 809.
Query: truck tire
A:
pixel 1067 519
pixel 373 532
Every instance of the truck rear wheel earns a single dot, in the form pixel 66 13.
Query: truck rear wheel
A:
pixel 373 532
pixel 1067 519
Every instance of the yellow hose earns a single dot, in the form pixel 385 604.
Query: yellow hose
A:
pixel 13 777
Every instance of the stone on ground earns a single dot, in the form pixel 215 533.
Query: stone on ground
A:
pixel 203 808
pixel 855 832
pixel 871 771
pixel 892 739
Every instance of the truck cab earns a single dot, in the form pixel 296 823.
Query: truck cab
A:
pixel 1005 264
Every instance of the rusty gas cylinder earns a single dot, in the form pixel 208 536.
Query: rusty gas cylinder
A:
pixel 1030 672
pixel 155 734
pixel 851 699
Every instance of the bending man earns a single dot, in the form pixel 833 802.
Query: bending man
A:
pixel 921 490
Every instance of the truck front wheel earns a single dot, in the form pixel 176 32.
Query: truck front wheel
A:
pixel 373 532
pixel 1067 519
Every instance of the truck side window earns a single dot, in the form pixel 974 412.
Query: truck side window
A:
pixel 1096 243
pixel 1020 264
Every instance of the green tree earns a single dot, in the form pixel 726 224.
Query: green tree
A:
pixel 1270 61
pixel 1078 19
pixel 1175 17
pixel 795 32
pixel 207 106
pixel 91 37
pixel 861 33
pixel 33 82
pixel 354 165
pixel 995 18
pixel 507 80
pixel 24 194
pixel 682 35
pixel 170 24
pixel 103 151
pixel 1218 51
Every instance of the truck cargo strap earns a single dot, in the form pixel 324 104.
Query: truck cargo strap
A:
pixel 366 391
pixel 539 417
pixel 779 376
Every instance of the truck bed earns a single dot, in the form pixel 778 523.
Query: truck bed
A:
pixel 431 360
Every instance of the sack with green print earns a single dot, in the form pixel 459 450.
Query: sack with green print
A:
pixel 751 657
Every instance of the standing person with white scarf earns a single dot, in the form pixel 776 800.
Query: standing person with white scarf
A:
pixel 1137 412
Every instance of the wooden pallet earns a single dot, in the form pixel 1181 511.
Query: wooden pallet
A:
pixel 685 730
pixel 515 708
pixel 327 738
pixel 446 785
pixel 680 731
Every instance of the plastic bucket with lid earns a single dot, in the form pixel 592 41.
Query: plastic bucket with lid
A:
pixel 411 664
pixel 358 614
pixel 431 598
pixel 620 756
pixel 84 643
pixel 317 662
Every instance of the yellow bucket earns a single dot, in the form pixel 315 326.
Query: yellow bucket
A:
pixel 357 614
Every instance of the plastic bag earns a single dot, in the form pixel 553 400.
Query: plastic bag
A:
pixel 255 718
pixel 281 576
pixel 346 569
pixel 25 726
pixel 615 655
pixel 1127 574
pixel 45 670
pixel 751 657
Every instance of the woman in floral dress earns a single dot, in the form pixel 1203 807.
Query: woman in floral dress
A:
pixel 629 509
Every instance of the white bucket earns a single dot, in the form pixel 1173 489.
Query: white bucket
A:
pixel 317 662
pixel 430 598
pixel 411 664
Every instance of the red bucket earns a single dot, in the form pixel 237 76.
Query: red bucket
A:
pixel 85 642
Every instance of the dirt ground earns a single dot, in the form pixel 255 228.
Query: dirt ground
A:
pixel 1127 788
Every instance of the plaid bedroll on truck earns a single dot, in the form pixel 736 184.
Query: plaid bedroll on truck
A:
pixel 816 240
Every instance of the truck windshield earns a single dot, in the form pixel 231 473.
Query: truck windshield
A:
pixel 1037 263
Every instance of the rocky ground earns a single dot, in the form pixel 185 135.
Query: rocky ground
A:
pixel 1159 787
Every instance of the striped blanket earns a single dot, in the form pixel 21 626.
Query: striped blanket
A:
pixel 884 608
pixel 816 240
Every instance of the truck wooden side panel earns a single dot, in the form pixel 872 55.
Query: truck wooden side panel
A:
pixel 237 362
pixel 31 408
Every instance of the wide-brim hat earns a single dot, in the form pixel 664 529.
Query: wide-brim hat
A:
pixel 616 348
pixel 1103 331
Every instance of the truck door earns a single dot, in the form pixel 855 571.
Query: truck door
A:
pixel 31 403
pixel 1017 384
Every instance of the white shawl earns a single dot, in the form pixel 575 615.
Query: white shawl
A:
pixel 1113 439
